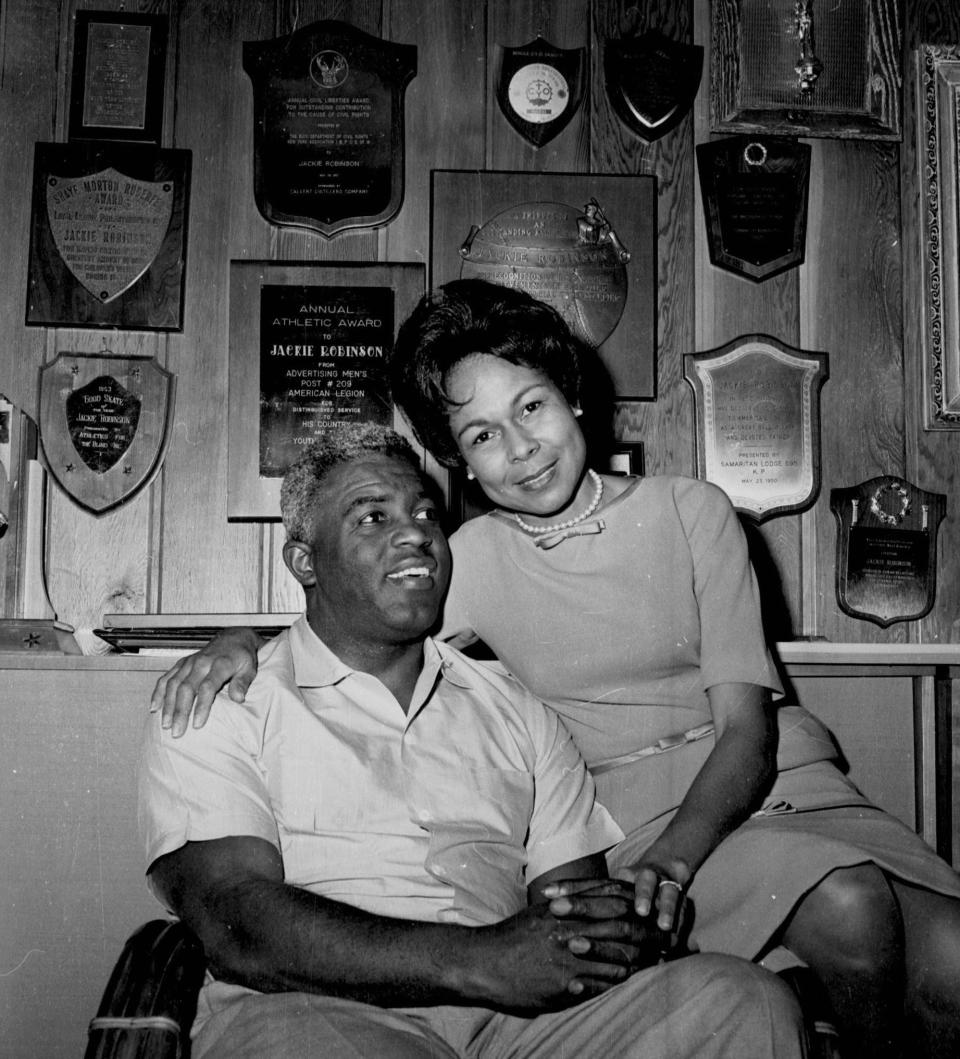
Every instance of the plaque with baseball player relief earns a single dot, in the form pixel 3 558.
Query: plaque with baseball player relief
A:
pixel 104 425
pixel 757 406
pixel 583 243
pixel 328 126
pixel 887 549
pixel 540 88
pixel 108 236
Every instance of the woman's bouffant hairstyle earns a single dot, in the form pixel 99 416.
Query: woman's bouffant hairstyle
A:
pixel 299 493
pixel 465 317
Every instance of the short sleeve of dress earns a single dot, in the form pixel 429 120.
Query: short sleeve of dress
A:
pixel 732 644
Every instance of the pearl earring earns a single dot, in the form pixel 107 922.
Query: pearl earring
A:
pixel 471 477
pixel 578 412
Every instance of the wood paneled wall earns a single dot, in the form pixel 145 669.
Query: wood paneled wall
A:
pixel 857 297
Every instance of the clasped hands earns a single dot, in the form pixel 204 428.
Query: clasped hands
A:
pixel 583 940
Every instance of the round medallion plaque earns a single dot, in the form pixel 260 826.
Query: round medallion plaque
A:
pixel 567 257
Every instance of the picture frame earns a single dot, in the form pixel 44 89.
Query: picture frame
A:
pixel 117 86
pixel 309 346
pixel 938 159
pixel 852 52
pixel 626 457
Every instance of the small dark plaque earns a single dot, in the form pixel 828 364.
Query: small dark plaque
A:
pixel 108 236
pixel 323 360
pixel 102 418
pixel 540 88
pixel 755 203
pixel 328 126
pixel 104 425
pixel 758 423
pixel 118 67
pixel 651 81
pixel 310 347
pixel 886 549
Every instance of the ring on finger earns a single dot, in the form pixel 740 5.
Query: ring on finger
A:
pixel 669 882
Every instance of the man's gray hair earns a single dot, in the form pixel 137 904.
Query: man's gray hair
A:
pixel 340 444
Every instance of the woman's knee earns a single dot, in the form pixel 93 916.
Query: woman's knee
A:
pixel 854 914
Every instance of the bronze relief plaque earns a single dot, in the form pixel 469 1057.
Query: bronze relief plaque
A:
pixel 758 423
pixel 569 257
pixel 328 126
pixel 886 549
pixel 104 425
pixel 583 243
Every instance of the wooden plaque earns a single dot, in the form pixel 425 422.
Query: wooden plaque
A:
pixel 585 244
pixel 310 345
pixel 108 236
pixel 887 549
pixel 104 425
pixel 758 423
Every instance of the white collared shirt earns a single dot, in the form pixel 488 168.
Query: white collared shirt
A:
pixel 444 813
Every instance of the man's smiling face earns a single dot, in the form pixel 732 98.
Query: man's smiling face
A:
pixel 379 558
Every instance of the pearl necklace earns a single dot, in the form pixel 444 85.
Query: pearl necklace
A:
pixel 585 514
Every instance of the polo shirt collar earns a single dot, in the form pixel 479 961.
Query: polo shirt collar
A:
pixel 316 666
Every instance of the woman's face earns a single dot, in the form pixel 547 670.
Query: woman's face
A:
pixel 517 434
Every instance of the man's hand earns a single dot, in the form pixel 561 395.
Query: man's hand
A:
pixel 541 961
pixel 645 939
pixel 193 682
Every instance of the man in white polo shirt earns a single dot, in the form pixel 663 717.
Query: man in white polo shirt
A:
pixel 363 844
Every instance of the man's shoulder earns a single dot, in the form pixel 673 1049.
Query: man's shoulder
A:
pixel 488 681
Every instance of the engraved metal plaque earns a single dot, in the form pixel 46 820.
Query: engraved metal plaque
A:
pixel 758 423
pixel 328 126
pixel 108 236
pixel 104 425
pixel 108 228
pixel 569 257
pixel 540 88
pixel 651 81
pixel 754 191
pixel 324 354
pixel 582 242
pixel 886 549
pixel 118 76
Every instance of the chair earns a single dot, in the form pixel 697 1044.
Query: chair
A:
pixel 151 999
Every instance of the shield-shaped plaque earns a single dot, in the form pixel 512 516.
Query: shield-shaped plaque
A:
pixel 754 192
pixel 651 81
pixel 569 258
pixel 104 425
pixel 328 126
pixel 887 549
pixel 540 87
pixel 758 423
pixel 108 228
pixel 108 236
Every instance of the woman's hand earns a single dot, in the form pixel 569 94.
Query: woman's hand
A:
pixel 193 682
pixel 659 885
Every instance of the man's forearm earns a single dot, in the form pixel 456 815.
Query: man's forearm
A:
pixel 274 937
